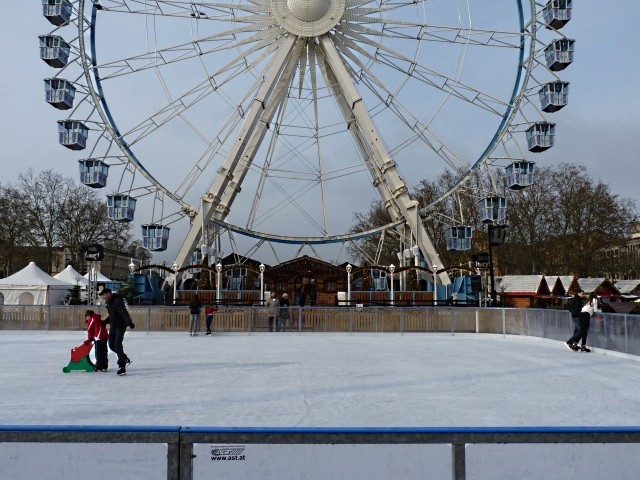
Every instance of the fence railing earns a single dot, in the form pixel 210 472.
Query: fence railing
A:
pixel 194 453
pixel 188 453
pixel 616 332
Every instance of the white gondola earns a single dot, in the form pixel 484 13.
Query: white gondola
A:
pixel 541 136
pixel 557 13
pixel 58 12
pixel 554 96
pixel 520 174
pixel 59 93
pixel 54 50
pixel 155 237
pixel 493 209
pixel 72 134
pixel 121 207
pixel 458 237
pixel 93 172
pixel 559 54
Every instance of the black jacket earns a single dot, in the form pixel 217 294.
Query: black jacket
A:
pixel 118 314
pixel 575 305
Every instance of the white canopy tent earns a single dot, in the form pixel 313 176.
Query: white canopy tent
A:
pixel 32 286
pixel 100 277
pixel 70 275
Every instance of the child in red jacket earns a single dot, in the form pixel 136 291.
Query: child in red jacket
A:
pixel 96 330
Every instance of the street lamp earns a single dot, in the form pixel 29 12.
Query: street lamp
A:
pixel 349 268
pixel 218 281
pixel 174 267
pixel 261 267
pixel 434 270
pixel 132 266
pixel 392 269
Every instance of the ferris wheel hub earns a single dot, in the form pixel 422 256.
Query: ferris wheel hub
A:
pixel 308 18
pixel 308 10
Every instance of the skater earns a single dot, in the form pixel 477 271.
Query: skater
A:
pixel 284 311
pixel 118 321
pixel 575 307
pixel 97 332
pixel 194 308
pixel 209 311
pixel 587 311
pixel 273 305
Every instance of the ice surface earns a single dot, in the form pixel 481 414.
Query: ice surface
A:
pixel 319 380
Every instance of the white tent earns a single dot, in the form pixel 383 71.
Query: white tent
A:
pixel 100 278
pixel 32 286
pixel 70 275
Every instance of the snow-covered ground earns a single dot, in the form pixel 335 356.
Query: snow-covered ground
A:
pixel 316 380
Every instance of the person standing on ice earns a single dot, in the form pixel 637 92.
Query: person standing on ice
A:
pixel 273 309
pixel 97 332
pixel 575 307
pixel 284 311
pixel 118 321
pixel 194 308
pixel 586 313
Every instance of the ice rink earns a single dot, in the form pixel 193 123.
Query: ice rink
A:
pixel 319 380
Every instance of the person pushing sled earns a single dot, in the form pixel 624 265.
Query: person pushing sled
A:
pixel 96 331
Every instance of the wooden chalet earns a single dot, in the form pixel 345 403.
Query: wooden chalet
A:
pixel 321 280
pixel 523 291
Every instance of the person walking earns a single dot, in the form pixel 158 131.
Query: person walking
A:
pixel 273 307
pixel 575 307
pixel 118 320
pixel 209 311
pixel 194 309
pixel 587 311
pixel 284 311
pixel 97 333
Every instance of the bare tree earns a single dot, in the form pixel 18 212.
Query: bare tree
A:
pixel 562 224
pixel 15 227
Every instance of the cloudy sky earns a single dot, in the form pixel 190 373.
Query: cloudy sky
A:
pixel 597 129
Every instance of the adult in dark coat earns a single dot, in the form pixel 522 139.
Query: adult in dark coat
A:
pixel 118 320
pixel 575 307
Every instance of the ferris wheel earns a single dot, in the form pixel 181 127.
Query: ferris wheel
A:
pixel 278 119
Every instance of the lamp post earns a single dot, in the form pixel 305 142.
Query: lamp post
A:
pixel 174 267
pixel 434 270
pixel 132 266
pixel 392 269
pixel 261 267
pixel 218 281
pixel 349 268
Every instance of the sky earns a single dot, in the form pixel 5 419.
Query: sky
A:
pixel 598 129
pixel 327 380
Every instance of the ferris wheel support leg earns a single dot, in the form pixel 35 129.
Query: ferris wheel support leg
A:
pixel 217 201
pixel 391 187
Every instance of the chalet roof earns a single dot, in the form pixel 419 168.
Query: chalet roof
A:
pixel 627 286
pixel 306 264
pixel 600 285
pixel 529 284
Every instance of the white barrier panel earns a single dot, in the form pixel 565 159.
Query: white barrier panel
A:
pixel 322 462
pixel 94 461
pixel 567 461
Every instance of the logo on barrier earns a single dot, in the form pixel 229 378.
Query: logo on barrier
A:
pixel 227 452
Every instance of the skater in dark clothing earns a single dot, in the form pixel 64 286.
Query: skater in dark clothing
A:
pixel 209 311
pixel 118 320
pixel 586 313
pixel 194 309
pixel 97 332
pixel 575 307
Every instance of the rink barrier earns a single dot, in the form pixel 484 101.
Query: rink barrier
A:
pixel 189 446
pixel 613 332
